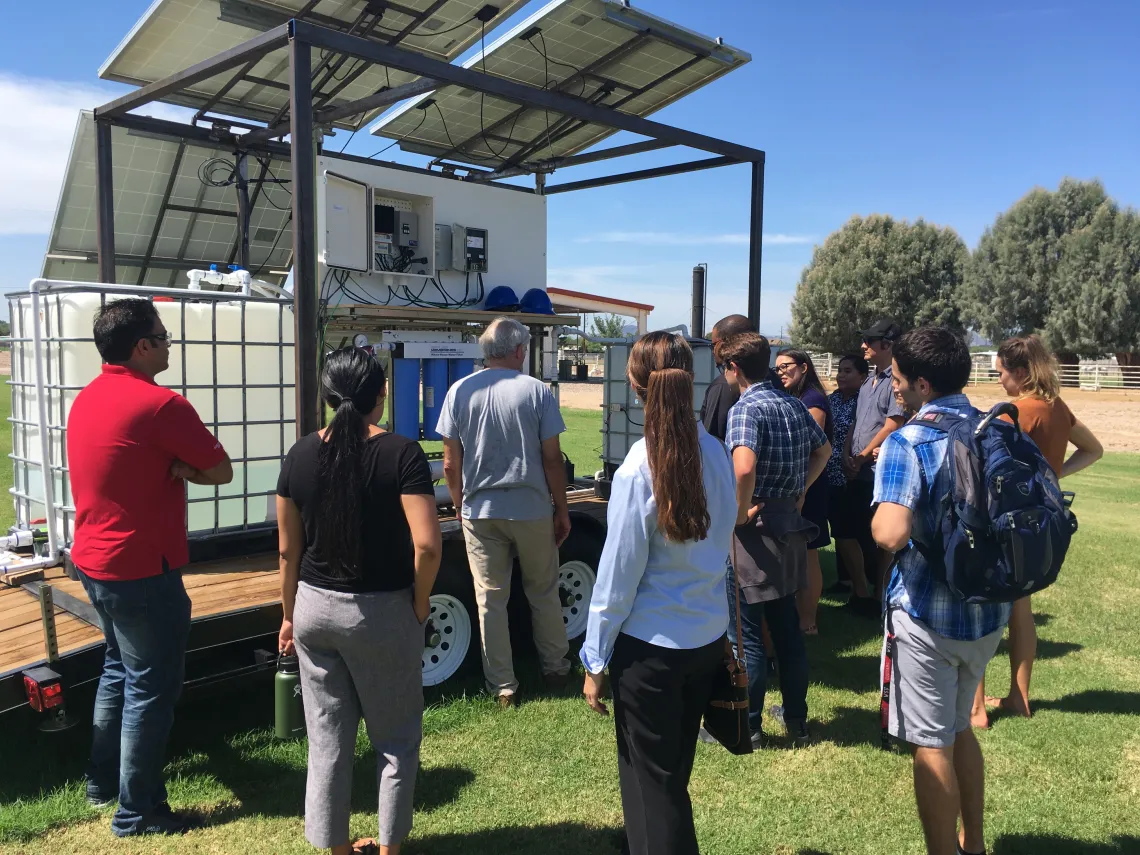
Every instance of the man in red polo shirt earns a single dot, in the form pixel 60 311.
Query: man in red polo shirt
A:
pixel 131 446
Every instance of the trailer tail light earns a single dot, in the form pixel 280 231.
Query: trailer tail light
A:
pixel 44 688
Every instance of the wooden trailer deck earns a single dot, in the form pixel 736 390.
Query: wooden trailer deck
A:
pixel 229 587
pixel 214 588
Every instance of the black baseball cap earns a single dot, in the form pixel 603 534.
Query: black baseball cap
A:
pixel 883 329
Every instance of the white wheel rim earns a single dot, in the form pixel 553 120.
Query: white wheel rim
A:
pixel 576 579
pixel 453 624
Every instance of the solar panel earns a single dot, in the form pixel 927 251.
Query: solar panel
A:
pixel 174 34
pixel 600 51
pixel 156 242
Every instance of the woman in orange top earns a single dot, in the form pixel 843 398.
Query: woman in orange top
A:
pixel 1028 373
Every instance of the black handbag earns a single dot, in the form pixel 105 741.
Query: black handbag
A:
pixel 726 716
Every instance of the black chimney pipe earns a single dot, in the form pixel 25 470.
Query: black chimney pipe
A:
pixel 697 319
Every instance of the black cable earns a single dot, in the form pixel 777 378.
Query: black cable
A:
pixel 423 115
pixel 273 248
pixel 350 136
pixel 442 119
pixel 428 35
pixel 545 54
pixel 482 95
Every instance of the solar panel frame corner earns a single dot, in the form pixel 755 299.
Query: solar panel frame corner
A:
pixel 141 168
pixel 657 48
pixel 188 31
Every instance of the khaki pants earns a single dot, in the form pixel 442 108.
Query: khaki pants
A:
pixel 489 555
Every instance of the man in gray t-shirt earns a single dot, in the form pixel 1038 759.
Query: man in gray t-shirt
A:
pixel 507 480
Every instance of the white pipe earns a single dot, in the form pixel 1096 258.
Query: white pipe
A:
pixel 45 442
pixel 442 496
pixel 29 564
pixel 436 467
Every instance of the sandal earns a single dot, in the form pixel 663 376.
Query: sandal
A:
pixel 811 630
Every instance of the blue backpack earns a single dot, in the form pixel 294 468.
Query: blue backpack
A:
pixel 1005 526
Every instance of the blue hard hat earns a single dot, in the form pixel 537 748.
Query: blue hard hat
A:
pixel 536 302
pixel 502 298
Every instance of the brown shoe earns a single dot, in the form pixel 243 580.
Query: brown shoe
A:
pixel 507 700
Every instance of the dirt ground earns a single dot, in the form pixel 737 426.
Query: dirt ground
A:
pixel 1114 416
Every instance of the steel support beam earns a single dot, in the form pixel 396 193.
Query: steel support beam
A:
pixel 163 207
pixel 335 114
pixel 305 296
pixel 642 174
pixel 756 243
pixel 241 168
pixel 104 203
pixel 256 47
pixel 577 159
pixel 424 66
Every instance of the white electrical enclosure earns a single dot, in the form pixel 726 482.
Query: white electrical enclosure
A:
pixel 345 235
pixel 515 221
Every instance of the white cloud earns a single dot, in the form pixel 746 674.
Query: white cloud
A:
pixel 675 239
pixel 37 124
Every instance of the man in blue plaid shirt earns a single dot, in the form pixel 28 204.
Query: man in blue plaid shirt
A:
pixel 937 645
pixel 778 450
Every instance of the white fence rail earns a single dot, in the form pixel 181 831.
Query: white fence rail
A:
pixel 1091 375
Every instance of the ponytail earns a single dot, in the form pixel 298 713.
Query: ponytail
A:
pixel 351 384
pixel 661 369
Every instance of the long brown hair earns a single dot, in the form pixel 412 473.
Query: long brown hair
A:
pixel 1030 353
pixel 661 371
pixel 810 380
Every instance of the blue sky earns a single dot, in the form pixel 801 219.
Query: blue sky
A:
pixel 947 111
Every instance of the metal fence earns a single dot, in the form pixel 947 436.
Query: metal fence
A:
pixel 230 356
pixel 1091 375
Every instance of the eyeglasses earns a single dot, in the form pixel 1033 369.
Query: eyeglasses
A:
pixel 871 342
pixel 157 338
pixel 785 368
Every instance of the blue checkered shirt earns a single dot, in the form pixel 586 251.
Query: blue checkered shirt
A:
pixel 782 433
pixel 911 473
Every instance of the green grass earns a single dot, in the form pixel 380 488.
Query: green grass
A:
pixel 543 778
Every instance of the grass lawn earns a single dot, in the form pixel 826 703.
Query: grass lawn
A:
pixel 543 778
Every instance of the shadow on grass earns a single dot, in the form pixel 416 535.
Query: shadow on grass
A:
pixel 850 726
pixel 1094 701
pixel 571 838
pixel 1035 844
pixel 1046 649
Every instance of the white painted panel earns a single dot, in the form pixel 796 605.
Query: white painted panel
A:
pixel 515 224
pixel 344 225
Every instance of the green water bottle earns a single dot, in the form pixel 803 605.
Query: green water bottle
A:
pixel 288 706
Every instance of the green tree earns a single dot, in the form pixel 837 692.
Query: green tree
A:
pixel 1096 309
pixel 878 267
pixel 608 326
pixel 1012 279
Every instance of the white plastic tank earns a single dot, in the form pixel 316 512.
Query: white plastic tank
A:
pixel 232 359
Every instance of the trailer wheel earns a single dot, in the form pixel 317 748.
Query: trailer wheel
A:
pixel 447 639
pixel 577 574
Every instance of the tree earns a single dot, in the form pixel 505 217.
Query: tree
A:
pixel 1096 307
pixel 878 267
pixel 608 326
pixel 1012 279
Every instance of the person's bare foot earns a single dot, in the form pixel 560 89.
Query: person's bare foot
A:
pixel 1009 706
pixel 979 719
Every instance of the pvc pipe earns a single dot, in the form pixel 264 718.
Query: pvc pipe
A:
pixel 436 467
pixel 442 496
pixel 45 442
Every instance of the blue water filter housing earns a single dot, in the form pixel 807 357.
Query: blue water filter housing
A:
pixel 457 369
pixel 435 389
pixel 406 398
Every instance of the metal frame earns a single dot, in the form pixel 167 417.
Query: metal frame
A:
pixel 305 120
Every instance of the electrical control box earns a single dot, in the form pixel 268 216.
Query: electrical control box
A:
pixel 468 249
pixel 442 246
pixel 396 245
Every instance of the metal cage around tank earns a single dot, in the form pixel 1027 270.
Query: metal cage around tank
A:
pixel 241 383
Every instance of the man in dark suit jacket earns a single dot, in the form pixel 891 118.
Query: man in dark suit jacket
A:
pixel 719 397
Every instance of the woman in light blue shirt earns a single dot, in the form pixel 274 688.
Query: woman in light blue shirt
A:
pixel 658 615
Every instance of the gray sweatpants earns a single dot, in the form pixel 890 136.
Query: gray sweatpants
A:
pixel 360 654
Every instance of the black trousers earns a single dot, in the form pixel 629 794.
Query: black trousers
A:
pixel 660 695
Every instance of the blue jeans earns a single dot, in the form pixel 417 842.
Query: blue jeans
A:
pixel 146 623
pixel 784 626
